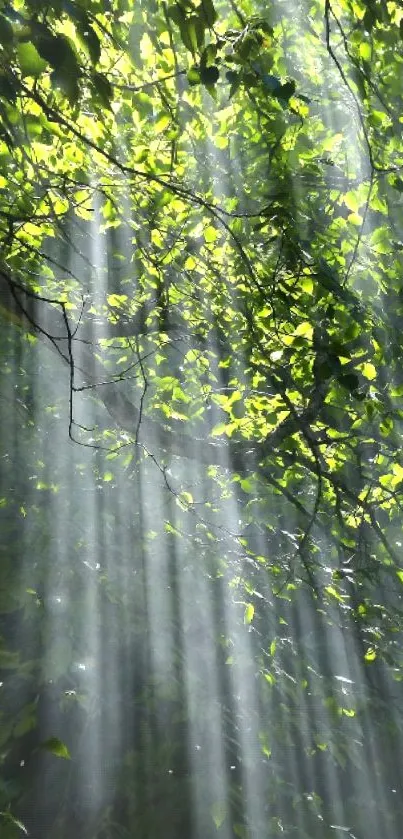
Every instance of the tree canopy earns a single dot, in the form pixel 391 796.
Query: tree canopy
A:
pixel 201 293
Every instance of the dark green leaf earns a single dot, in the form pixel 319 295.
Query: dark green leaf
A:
pixel 247 47
pixel 327 368
pixel 199 29
pixel 271 83
pixel 249 80
pixel 349 381
pixel 176 14
pixel 188 35
pixel 9 659
pixel 369 19
pixel 265 27
pixel 209 75
pixel 91 41
pixel 66 83
pixel 57 50
pixel 208 55
pixel 285 91
pixel 235 80
pixel 397 184
pixel 6 32
pixel 209 12
pixel 8 89
pixel 76 12
pixel 103 88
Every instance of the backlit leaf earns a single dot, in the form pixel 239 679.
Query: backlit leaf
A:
pixel 219 813
pixel 30 60
pixel 56 747
pixel 249 613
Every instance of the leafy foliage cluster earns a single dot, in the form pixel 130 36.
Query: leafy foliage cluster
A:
pixel 201 216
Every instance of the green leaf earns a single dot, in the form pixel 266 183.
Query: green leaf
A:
pixel 209 75
pixel 56 747
pixel 210 234
pixel 192 33
pixel 369 19
pixel 58 52
pixel 370 655
pixel 26 720
pixel 334 593
pixel 218 812
pixel 8 89
pixel 397 184
pixel 355 219
pixel 232 76
pixel 304 329
pixel 177 14
pixel 249 613
pixel 209 12
pixel 208 55
pixel 235 80
pixel 365 51
pixel 369 371
pixel 220 428
pixel 349 381
pixel 31 63
pixel 240 830
pixel 248 47
pixel 285 91
pixel 186 498
pixel 103 88
pixel 91 41
pixel 193 75
pixel 67 83
pixel 6 32
pixel 348 712
pixel 9 660
pixel 271 83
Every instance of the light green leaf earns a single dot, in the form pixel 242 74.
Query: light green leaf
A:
pixel 368 370
pixel 56 747
pixel 304 330
pixel 31 62
pixel 162 123
pixel 218 812
pixel 249 613
pixel 370 655
pixel 210 234
pixel 355 218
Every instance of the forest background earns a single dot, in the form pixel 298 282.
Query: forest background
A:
pixel 201 294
